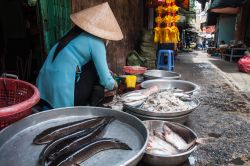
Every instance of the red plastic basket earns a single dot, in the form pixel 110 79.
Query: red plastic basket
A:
pixel 134 69
pixel 16 100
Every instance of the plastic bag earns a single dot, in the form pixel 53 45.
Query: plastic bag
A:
pixel 244 64
pixel 134 59
pixel 130 81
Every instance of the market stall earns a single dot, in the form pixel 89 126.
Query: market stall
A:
pixel 141 121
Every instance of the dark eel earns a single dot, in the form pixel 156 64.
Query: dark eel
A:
pixel 87 151
pixel 73 143
pixel 56 132
pixel 61 145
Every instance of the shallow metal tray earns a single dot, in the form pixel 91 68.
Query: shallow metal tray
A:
pixel 16 140
pixel 162 74
pixel 186 86
pixel 138 110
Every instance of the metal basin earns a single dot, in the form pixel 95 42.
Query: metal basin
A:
pixel 16 140
pixel 172 160
pixel 178 119
pixel 186 86
pixel 162 74
pixel 138 110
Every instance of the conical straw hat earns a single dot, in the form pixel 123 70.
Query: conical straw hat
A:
pixel 98 21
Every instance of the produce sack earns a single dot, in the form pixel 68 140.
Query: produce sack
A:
pixel 244 64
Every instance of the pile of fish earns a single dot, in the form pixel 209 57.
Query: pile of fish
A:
pixel 137 98
pixel 75 142
pixel 166 101
pixel 115 104
pixel 166 142
pixel 154 100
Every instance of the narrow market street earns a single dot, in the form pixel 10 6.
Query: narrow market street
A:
pixel 223 113
pixel 125 83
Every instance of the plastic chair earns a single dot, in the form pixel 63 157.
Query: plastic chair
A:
pixel 160 60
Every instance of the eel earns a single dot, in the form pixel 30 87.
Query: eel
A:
pixel 61 145
pixel 86 151
pixel 56 132
pixel 73 144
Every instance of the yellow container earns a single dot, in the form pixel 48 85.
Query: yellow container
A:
pixel 130 81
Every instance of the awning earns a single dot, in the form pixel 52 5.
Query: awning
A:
pixel 226 6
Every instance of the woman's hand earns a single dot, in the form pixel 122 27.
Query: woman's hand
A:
pixel 108 93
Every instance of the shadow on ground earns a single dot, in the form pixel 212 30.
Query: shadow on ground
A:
pixel 226 66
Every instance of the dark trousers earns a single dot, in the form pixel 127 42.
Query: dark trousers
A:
pixel 88 91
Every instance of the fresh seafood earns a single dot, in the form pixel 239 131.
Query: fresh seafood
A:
pixel 160 146
pixel 165 101
pixel 135 103
pixel 87 151
pixel 166 142
pixel 174 138
pixel 47 150
pixel 74 143
pixel 115 104
pixel 135 99
pixel 71 142
pixel 62 130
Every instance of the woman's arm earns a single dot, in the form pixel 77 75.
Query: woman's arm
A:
pixel 98 54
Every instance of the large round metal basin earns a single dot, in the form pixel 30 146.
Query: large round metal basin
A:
pixel 161 74
pixel 178 119
pixel 16 140
pixel 171 160
pixel 185 86
pixel 193 104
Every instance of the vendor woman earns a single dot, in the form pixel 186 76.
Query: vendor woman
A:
pixel 81 50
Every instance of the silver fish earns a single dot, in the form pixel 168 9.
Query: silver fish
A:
pixel 135 103
pixel 159 146
pixel 174 138
pixel 165 101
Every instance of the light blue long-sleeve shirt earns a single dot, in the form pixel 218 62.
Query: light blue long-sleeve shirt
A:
pixel 56 80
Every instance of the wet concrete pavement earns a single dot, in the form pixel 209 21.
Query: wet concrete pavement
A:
pixel 222 115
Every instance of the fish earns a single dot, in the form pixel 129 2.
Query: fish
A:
pixel 47 150
pixel 159 146
pixel 158 152
pixel 61 145
pixel 74 143
pixel 56 132
pixel 88 150
pixel 150 90
pixel 135 103
pixel 139 96
pixel 174 138
pixel 197 141
pixel 135 97
pixel 165 101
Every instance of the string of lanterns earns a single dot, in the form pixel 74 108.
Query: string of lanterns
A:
pixel 166 30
